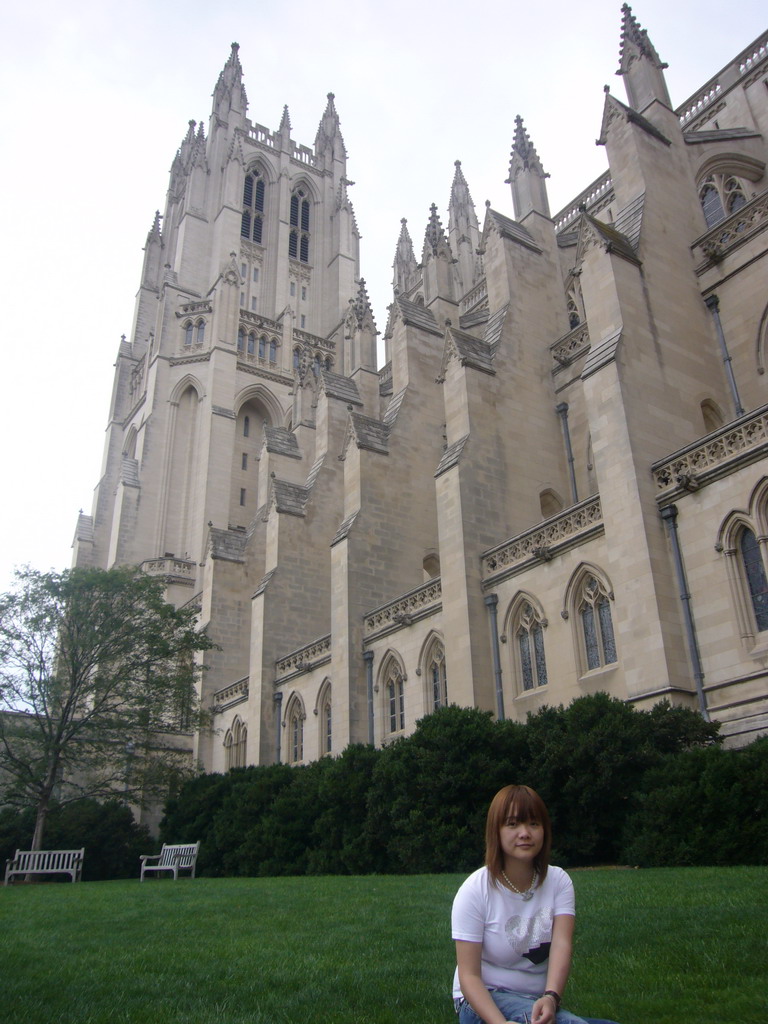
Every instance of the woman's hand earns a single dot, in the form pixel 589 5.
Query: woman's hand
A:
pixel 544 1011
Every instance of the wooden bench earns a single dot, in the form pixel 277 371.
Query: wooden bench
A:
pixel 179 857
pixel 46 862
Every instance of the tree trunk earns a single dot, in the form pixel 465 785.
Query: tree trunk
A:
pixel 42 814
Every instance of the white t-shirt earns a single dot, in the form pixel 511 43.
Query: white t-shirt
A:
pixel 516 934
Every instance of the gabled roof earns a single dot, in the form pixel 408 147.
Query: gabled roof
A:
pixel 336 385
pixel 614 108
pixel 470 351
pixel 609 238
pixel 281 441
pixel 508 228
pixel 417 316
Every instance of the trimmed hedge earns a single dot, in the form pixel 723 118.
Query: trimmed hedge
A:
pixel 419 804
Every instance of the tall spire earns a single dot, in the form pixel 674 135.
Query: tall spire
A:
pixel 463 230
pixel 404 264
pixel 328 139
pixel 229 93
pixel 527 175
pixel 435 241
pixel 362 307
pixel 640 65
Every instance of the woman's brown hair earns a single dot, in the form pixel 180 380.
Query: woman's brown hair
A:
pixel 524 804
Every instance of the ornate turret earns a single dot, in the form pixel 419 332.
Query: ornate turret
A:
pixel 229 95
pixel 640 66
pixel 527 176
pixel 328 141
pixel 405 265
pixel 463 230
pixel 153 252
pixel 435 240
pixel 437 261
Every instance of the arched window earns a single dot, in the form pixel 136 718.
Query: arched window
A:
pixel 200 332
pixel 317 364
pixel 597 625
pixel 394 695
pixel 273 351
pixel 296 358
pixel 241 340
pixel 235 742
pixel 298 240
pixel 721 195
pixel 262 347
pixel 573 314
pixel 251 344
pixel 324 711
pixel 436 676
pixel 293 724
pixel 246 426
pixel 526 625
pixel 754 571
pixel 711 415
pixel 252 223
pixel 188 332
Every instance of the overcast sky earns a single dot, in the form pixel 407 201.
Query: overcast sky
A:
pixel 96 97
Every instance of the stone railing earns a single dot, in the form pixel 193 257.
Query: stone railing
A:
pixel 257 320
pixel 304 155
pixel 730 75
pixel 304 658
pixel 314 340
pixel 472 298
pixel 575 525
pixel 707 459
pixel 731 232
pixel 175 570
pixel 572 345
pixel 227 695
pixel 596 191
pixel 424 600
pixel 203 306
pixel 259 133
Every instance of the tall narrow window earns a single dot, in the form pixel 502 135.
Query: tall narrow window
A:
pixel 437 676
pixel 246 426
pixel 395 697
pixel 325 716
pixel 298 240
pixel 188 333
pixel 200 332
pixel 273 351
pixel 241 340
pixel 262 347
pixel 252 222
pixel 756 578
pixel 529 636
pixel 597 625
pixel 294 724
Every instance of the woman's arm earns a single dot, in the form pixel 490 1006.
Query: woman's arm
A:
pixel 472 985
pixel 558 968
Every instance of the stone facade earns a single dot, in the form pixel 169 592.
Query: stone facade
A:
pixel 557 483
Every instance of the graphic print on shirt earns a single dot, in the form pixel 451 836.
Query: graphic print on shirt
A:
pixel 530 937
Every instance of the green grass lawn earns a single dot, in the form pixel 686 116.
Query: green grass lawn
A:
pixel 666 946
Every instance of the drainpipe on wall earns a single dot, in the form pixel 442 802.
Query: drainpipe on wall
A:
pixel 713 305
pixel 491 602
pixel 562 411
pixel 278 698
pixel 368 659
pixel 669 515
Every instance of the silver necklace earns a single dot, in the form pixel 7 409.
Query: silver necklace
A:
pixel 527 894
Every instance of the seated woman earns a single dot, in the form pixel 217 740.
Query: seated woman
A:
pixel 513 922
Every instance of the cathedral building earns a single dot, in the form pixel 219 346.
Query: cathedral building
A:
pixel 556 484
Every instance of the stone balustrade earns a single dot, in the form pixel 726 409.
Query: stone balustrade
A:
pixel 424 600
pixel 540 544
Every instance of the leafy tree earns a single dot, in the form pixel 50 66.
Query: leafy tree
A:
pixel 94 667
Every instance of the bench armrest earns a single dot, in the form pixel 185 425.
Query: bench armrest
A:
pixel 149 856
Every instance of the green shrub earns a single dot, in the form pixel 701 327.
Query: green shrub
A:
pixel 703 807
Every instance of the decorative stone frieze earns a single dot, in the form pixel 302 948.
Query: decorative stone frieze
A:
pixel 425 600
pixel 303 659
pixel 719 453
pixel 576 525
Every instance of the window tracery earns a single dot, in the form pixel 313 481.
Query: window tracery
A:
pixel 294 726
pixel 721 195
pixel 394 696
pixel 235 743
pixel 742 539
pixel 597 624
pixel 298 239
pixel 437 682
pixel 324 711
pixel 252 221
pixel 526 629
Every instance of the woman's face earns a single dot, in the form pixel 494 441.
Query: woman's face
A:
pixel 521 840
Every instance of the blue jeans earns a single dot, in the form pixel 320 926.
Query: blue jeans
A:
pixel 518 1007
